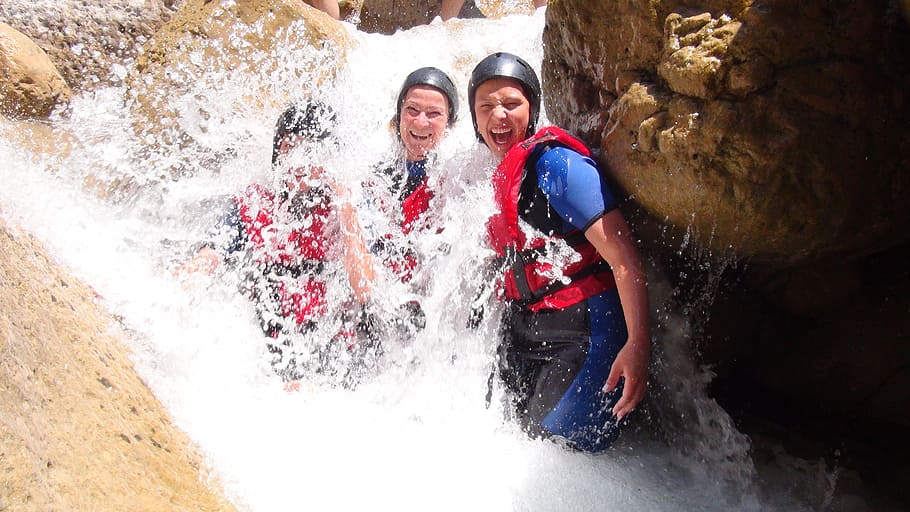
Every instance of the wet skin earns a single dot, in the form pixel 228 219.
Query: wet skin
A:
pixel 502 114
pixel 423 118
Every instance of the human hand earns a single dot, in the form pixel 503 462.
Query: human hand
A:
pixel 631 365
pixel 340 191
pixel 205 261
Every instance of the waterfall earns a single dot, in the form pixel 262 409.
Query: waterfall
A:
pixel 419 433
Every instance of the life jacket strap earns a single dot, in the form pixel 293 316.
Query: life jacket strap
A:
pixel 517 261
pixel 306 267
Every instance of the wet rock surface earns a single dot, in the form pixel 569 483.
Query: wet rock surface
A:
pixel 764 148
pixel 79 429
pixel 30 85
pixel 774 131
pixel 209 43
pixel 91 42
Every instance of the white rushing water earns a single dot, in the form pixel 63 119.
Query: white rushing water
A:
pixel 419 435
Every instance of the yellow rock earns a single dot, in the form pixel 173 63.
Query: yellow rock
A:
pixel 78 429
pixel 253 44
pixel 30 85
pixel 502 8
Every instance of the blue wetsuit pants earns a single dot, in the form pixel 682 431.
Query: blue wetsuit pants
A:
pixel 554 364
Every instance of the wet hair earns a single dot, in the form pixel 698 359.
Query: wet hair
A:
pixel 312 123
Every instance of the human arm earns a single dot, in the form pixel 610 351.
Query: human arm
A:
pixel 449 9
pixel 205 261
pixel 612 238
pixel 575 189
pixel 225 238
pixel 329 7
pixel 357 260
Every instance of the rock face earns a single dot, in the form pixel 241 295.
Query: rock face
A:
pixel 91 42
pixel 79 430
pixel 851 361
pixel 771 133
pixel 387 16
pixel 773 130
pixel 502 8
pixel 30 85
pixel 240 42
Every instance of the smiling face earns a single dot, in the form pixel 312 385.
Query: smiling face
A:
pixel 423 117
pixel 503 113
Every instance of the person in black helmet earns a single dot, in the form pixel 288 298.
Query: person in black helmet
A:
pixel 426 107
pixel 283 237
pixel 576 343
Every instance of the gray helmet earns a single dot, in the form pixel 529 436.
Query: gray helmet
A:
pixel 313 123
pixel 432 77
pixel 506 65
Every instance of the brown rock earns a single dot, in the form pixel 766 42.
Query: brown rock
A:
pixel 695 54
pixel 775 132
pixel 502 8
pixel 30 85
pixel 80 430
pixel 852 361
pixel 91 42
pixel 388 16
pixel 350 9
pixel 250 43
pixel 770 133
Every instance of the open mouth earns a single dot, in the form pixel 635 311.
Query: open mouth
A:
pixel 501 136
pixel 420 138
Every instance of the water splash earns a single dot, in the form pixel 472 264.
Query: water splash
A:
pixel 419 434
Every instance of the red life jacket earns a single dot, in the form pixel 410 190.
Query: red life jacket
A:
pixel 278 246
pixel 525 279
pixel 414 206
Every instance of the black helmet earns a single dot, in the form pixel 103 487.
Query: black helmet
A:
pixel 506 65
pixel 432 77
pixel 313 123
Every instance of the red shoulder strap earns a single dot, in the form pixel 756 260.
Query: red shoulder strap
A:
pixel 507 179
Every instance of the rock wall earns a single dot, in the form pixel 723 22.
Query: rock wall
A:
pixel 772 135
pixel 389 16
pixel 774 130
pixel 30 85
pixel 78 429
pixel 91 42
pixel 209 43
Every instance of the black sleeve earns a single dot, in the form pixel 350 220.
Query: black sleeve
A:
pixel 227 236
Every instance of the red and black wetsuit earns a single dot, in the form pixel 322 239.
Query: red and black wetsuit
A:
pixel 288 244
pixel 287 241
pixel 407 205
pixel 411 197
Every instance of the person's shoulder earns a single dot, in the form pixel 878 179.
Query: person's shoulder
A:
pixel 387 173
pixel 388 166
pixel 555 154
